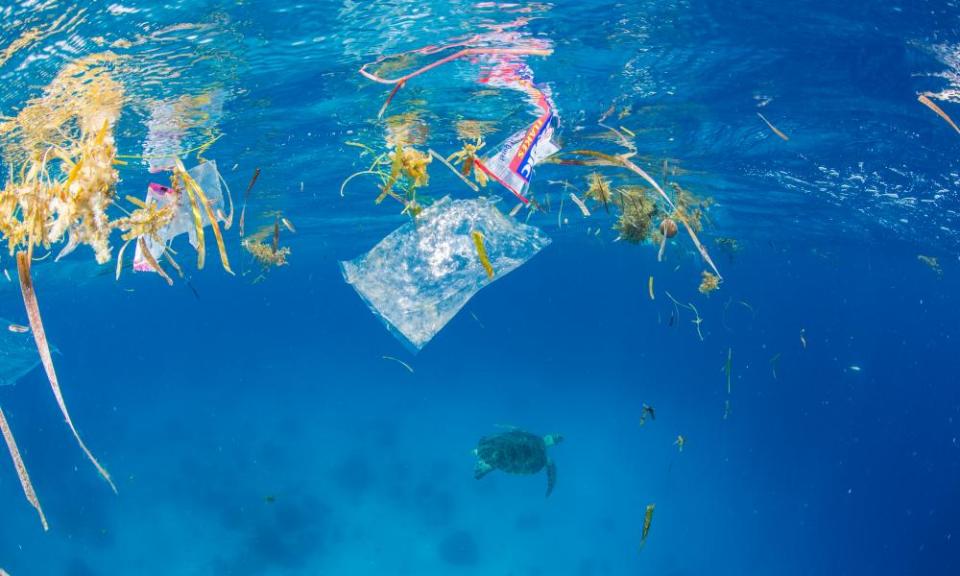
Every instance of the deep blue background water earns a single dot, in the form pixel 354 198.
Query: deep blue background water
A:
pixel 256 429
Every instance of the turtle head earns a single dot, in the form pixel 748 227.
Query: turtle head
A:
pixel 552 439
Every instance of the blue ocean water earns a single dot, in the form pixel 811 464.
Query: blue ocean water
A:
pixel 253 426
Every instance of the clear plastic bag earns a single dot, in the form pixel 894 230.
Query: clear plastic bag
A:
pixel 419 276
pixel 208 178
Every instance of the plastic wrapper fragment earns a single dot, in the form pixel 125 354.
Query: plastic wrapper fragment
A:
pixel 419 276
pixel 208 178
pixel 511 162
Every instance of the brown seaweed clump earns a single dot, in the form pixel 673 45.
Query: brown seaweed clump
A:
pixel 709 283
pixel 266 255
pixel 467 156
pixel 599 190
pixel 638 211
pixel 689 207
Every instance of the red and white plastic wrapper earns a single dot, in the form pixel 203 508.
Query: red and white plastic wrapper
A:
pixel 511 162
pixel 208 178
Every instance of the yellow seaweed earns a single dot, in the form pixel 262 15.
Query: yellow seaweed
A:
pixel 192 184
pixel 708 283
pixel 482 252
pixel 647 521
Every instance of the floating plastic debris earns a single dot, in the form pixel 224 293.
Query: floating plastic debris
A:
pixel 511 162
pixel 419 276
pixel 185 214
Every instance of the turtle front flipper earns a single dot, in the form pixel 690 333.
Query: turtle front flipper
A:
pixel 551 476
pixel 481 469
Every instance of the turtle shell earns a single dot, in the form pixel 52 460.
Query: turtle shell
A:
pixel 516 452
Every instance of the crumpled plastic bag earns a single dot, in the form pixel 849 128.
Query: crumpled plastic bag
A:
pixel 208 178
pixel 18 354
pixel 421 274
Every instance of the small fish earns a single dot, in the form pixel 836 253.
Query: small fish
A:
pixel 803 339
pixel 482 252
pixel 19 329
pixel 647 520
pixel 7 275
pixel 270 499
pixel 679 442
pixel 726 409
pixel 854 368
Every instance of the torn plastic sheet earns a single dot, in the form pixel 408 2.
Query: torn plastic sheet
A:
pixel 208 178
pixel 419 276
pixel 18 354
pixel 511 162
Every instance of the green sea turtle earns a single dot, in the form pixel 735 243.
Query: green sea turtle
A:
pixel 516 452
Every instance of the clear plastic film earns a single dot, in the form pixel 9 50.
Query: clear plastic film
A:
pixel 208 178
pixel 419 276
